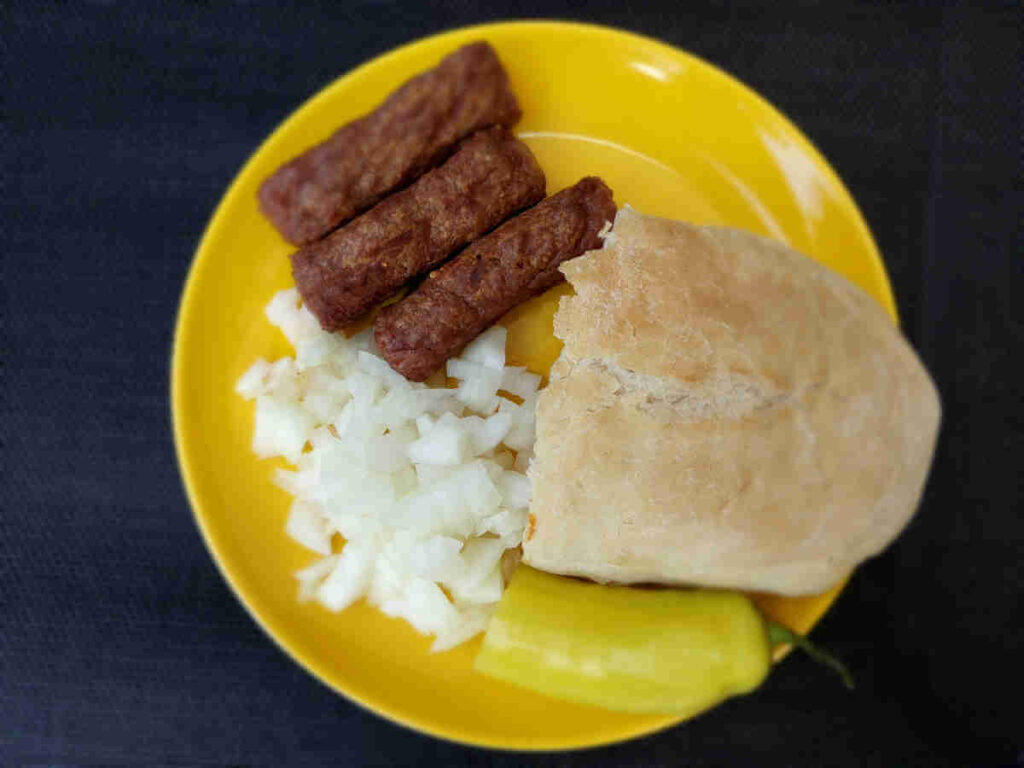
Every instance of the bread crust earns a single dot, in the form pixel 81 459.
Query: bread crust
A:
pixel 725 412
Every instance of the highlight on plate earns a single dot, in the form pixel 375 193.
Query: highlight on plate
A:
pixel 726 415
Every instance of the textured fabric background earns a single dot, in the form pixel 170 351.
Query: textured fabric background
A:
pixel 122 125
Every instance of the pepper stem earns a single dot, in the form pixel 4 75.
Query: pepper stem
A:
pixel 780 635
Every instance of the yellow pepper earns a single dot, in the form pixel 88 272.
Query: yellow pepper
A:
pixel 670 651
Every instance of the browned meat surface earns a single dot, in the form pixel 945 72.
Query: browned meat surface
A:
pixel 491 176
pixel 412 131
pixel 518 260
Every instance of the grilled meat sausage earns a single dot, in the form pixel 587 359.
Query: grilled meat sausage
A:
pixel 518 260
pixel 490 177
pixel 412 131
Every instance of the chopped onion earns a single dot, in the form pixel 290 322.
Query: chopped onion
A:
pixel 426 485
pixel 307 526
pixel 488 348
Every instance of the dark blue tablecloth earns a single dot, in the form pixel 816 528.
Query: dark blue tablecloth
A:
pixel 122 125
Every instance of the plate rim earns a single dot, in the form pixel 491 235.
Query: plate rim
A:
pixel 186 302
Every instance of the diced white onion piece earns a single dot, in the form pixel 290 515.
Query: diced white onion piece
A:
pixel 283 380
pixel 296 322
pixel 299 484
pixel 520 436
pixel 365 388
pixel 424 423
pixel 354 526
pixel 488 348
pixel 405 481
pixel 307 526
pixel 282 428
pixel 253 382
pixel 350 578
pixel 428 473
pixel 422 603
pixel 472 620
pixel 488 589
pixel 451 505
pixel 445 444
pixel 479 392
pixel 515 490
pixel 436 558
pixel 324 380
pixel 489 433
pixel 322 440
pixel 480 581
pixel 520 382
pixel 313 352
pixel 378 367
pixel 457 368
pixel 387 453
pixel 322 406
pixel 311 576
pixel 506 524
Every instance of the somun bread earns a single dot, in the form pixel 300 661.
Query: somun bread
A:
pixel 725 412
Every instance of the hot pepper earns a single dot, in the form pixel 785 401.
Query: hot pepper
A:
pixel 674 651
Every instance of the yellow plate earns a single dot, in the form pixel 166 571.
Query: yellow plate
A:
pixel 671 135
